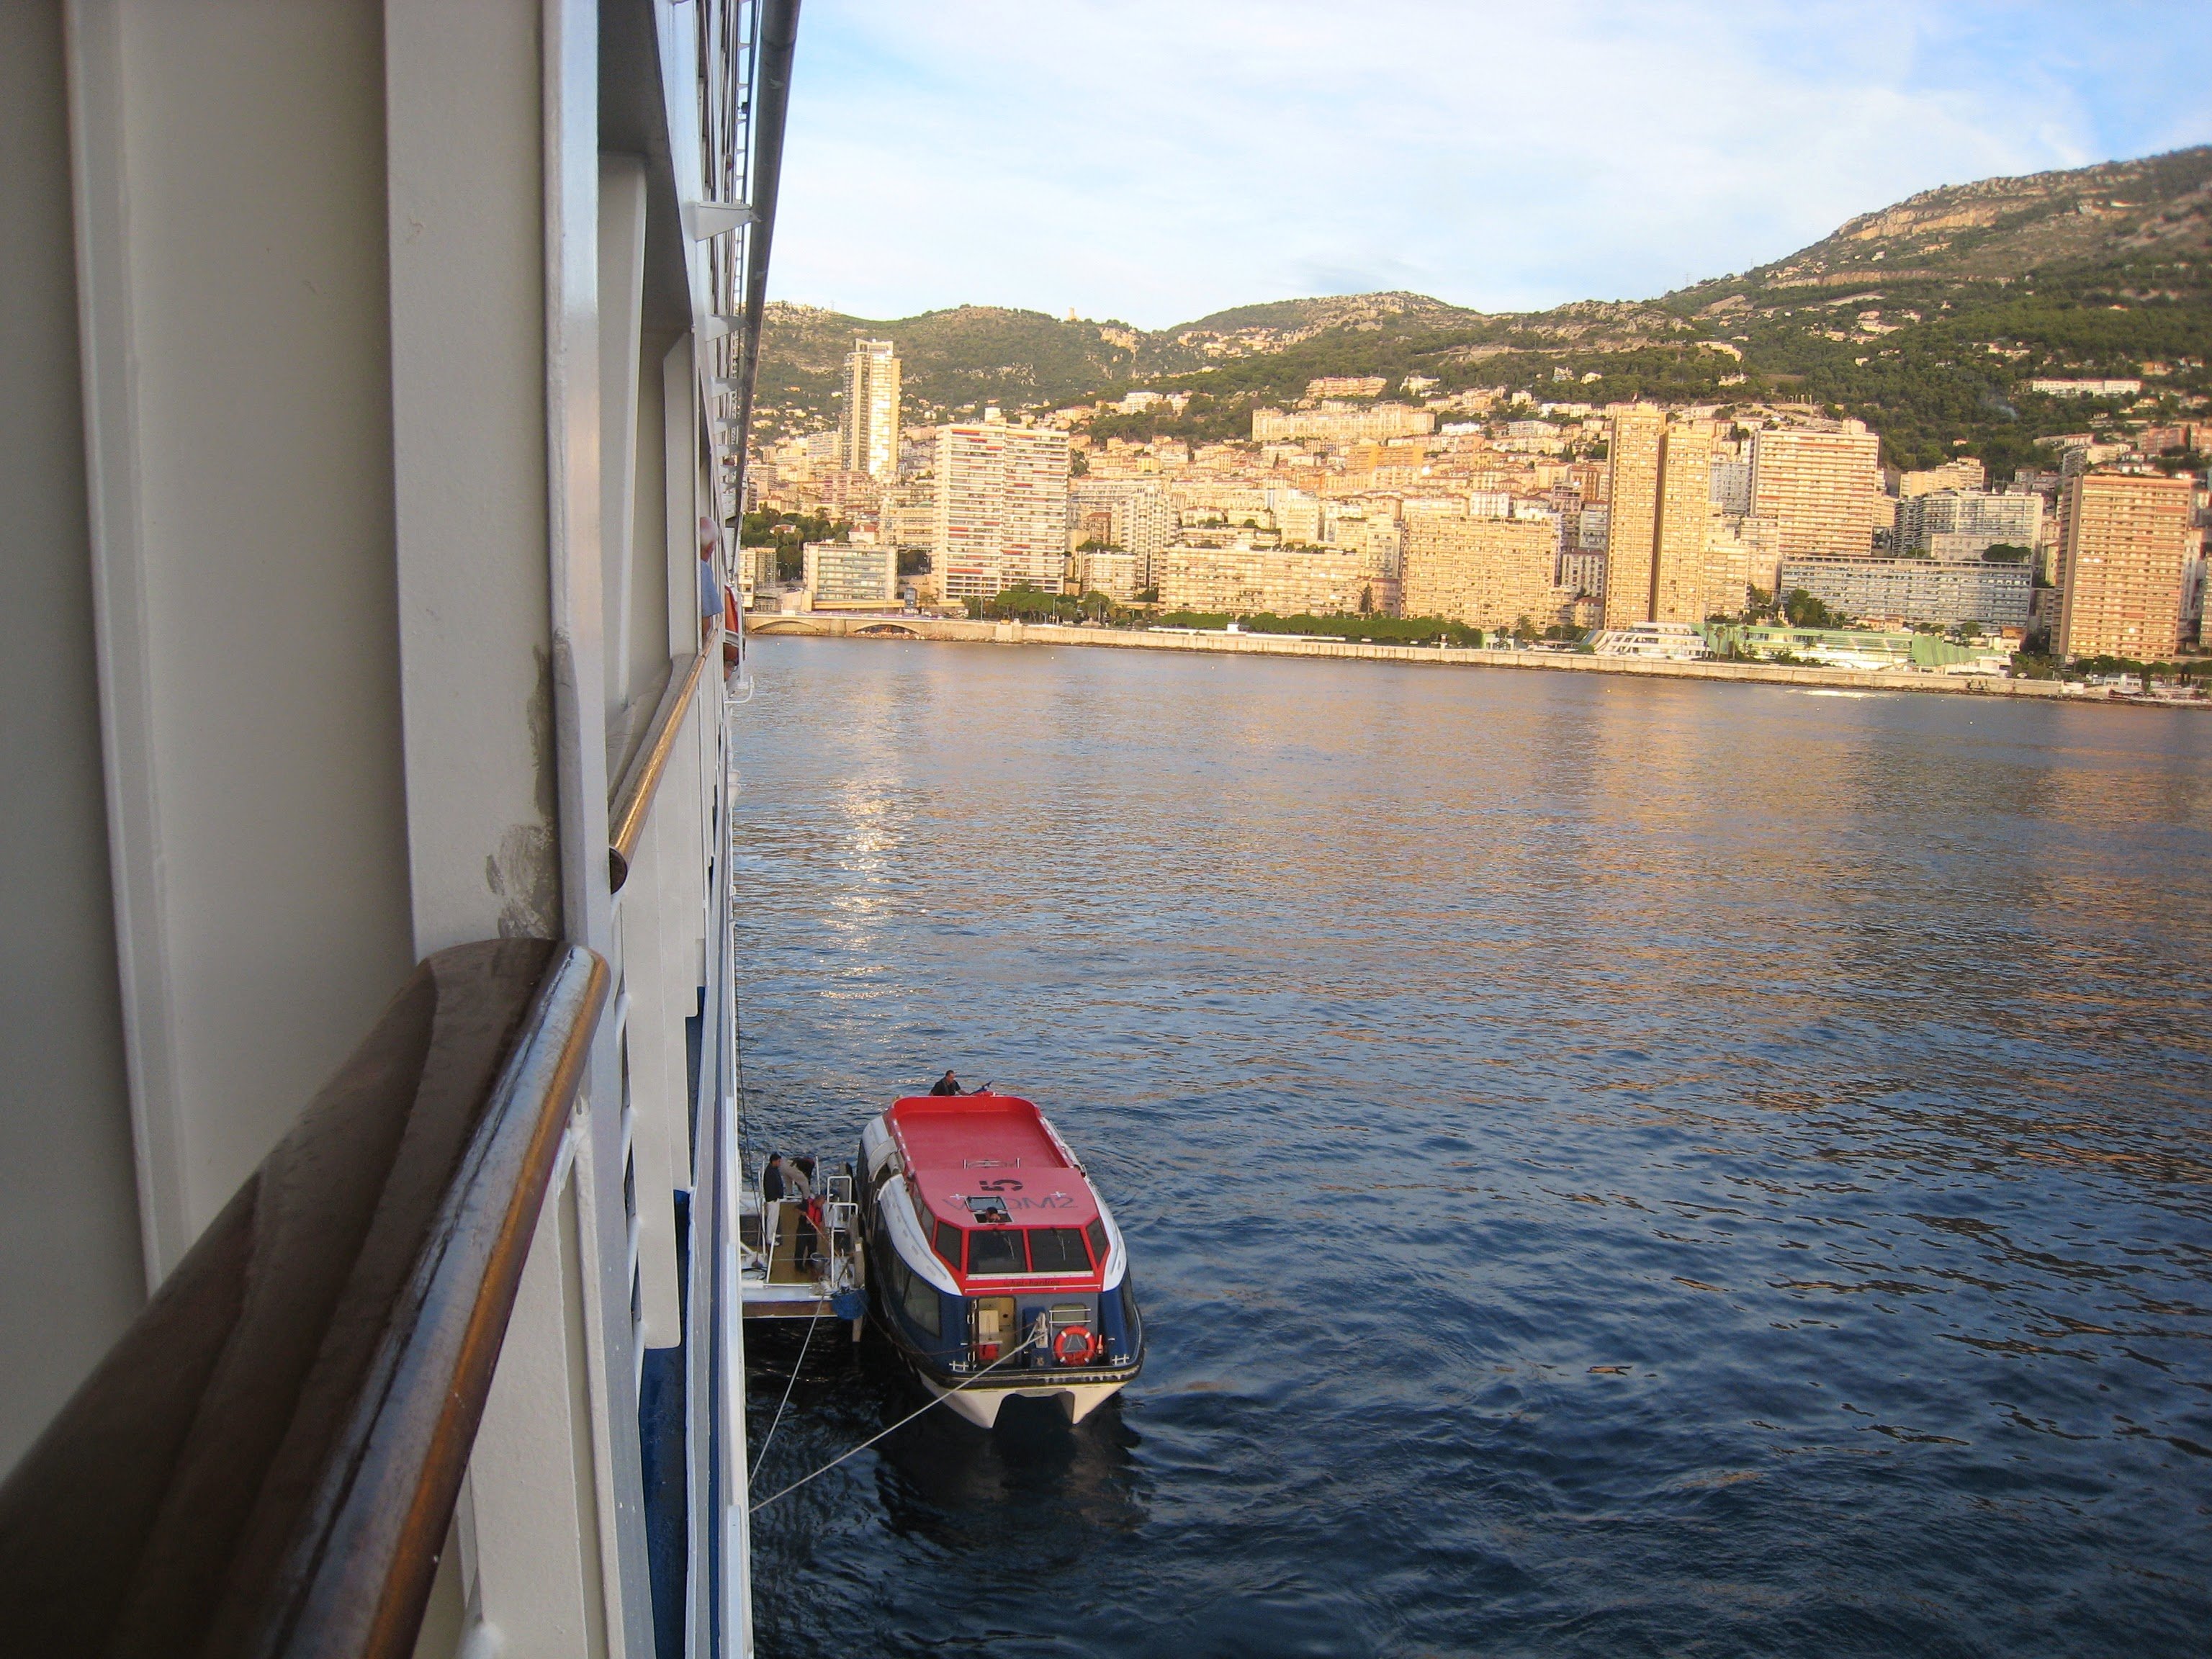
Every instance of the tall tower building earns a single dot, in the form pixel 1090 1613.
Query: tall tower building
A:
pixel 868 436
pixel 1001 514
pixel 1635 436
pixel 1686 519
pixel 1823 489
pixel 1659 482
pixel 2125 540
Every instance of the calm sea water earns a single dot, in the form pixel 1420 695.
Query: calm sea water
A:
pixel 1612 1168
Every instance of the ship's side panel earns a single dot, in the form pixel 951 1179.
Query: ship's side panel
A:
pixel 237 441
pixel 71 1270
pixel 355 446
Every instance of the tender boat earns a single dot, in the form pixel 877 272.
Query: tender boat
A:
pixel 992 1262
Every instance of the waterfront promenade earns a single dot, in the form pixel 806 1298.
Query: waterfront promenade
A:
pixel 864 625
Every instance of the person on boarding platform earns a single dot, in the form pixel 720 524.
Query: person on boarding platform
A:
pixel 800 1187
pixel 772 1179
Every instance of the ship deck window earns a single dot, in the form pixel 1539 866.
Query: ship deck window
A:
pixel 1058 1250
pixel 996 1250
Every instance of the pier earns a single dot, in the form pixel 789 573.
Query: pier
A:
pixel 891 625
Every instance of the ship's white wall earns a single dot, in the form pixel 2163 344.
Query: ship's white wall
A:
pixel 71 1273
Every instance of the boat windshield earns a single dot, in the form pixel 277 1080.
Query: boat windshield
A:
pixel 947 1243
pixel 1058 1250
pixel 996 1250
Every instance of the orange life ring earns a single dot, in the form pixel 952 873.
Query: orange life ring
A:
pixel 1075 1345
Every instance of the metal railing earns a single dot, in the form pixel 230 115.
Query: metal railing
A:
pixel 267 1462
pixel 633 797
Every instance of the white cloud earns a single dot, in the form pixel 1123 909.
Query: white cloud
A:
pixel 1157 161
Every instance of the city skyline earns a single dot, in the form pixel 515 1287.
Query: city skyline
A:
pixel 1170 163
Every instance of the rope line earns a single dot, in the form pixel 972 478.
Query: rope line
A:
pixel 757 1508
pixel 777 1421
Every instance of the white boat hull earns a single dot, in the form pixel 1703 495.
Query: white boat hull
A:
pixel 981 1405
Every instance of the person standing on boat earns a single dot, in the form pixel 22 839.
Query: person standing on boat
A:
pixel 947 1084
pixel 772 1179
pixel 800 1189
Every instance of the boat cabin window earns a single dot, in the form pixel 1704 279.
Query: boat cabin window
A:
pixel 947 1243
pixel 1097 1231
pixel 1058 1250
pixel 919 1297
pixel 996 1250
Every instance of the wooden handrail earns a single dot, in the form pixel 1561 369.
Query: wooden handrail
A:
pixel 632 800
pixel 267 1461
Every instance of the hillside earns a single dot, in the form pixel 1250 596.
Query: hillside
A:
pixel 1925 319
pixel 971 355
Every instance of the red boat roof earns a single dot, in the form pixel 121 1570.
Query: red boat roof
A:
pixel 974 1132
pixel 960 1148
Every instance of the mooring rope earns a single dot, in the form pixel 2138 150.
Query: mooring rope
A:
pixel 757 1508
pixel 776 1422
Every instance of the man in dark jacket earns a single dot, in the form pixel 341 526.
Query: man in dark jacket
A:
pixel 772 1179
pixel 947 1084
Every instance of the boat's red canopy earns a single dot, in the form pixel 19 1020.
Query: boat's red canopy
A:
pixel 964 1153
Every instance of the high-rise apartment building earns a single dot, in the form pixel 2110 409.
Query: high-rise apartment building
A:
pixel 1659 482
pixel 1141 519
pixel 2126 538
pixel 1822 489
pixel 1001 514
pixel 1487 573
pixel 868 436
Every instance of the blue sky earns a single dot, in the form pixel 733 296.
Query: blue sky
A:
pixel 1156 159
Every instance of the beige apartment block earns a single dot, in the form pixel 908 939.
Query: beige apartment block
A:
pixel 868 432
pixel 1740 554
pixel 1242 581
pixel 1966 473
pixel 1341 426
pixel 2124 540
pixel 1139 519
pixel 855 575
pixel 1116 573
pixel 1822 489
pixel 1487 573
pixel 907 517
